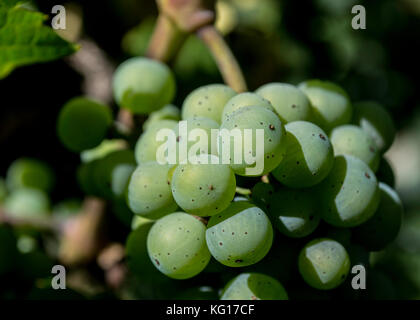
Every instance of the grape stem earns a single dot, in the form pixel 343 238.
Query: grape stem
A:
pixel 226 61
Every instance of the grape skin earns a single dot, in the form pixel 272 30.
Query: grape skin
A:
pixel 147 145
pixel 177 246
pixel 254 286
pixel 207 101
pixel 253 118
pixel 245 99
pixel 290 103
pixel 239 236
pixel 308 158
pixel 352 140
pixel 385 224
pixel 83 123
pixel 294 212
pixel 375 120
pixel 349 195
pixel 143 85
pixel 324 264
pixel 203 189
pixel 330 103
pixel 149 193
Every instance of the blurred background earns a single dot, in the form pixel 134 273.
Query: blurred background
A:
pixel 274 40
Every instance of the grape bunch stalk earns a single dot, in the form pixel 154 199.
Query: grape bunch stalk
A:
pixel 322 202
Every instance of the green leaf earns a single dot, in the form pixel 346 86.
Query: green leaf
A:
pixel 24 39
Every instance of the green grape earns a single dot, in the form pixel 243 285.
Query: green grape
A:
pixel 201 144
pixel 261 195
pixel 207 101
pixel 168 112
pixel 331 105
pixel 143 85
pixel 147 145
pixel 349 195
pixel 199 293
pixel 106 168
pixel 120 177
pixel 324 264
pixel 350 139
pixel 254 286
pixel 149 193
pixel 294 212
pixel 203 189
pixel 138 260
pixel 29 173
pixel 375 120
pixel 85 178
pixel 385 224
pixel 26 203
pixel 83 123
pixel 257 157
pixel 8 251
pixel 245 99
pixel 177 246
pixel 385 173
pixel 308 158
pixel 239 236
pixel 290 103
pixel 106 147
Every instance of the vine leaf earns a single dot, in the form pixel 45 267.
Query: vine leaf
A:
pixel 24 39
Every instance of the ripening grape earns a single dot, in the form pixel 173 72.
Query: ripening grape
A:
pixel 168 112
pixel 294 212
pixel 385 224
pixel 351 140
pixel 207 101
pixel 196 144
pixel 245 99
pixel 104 171
pixel 385 173
pixel 203 189
pixel 138 260
pixel 143 85
pixel 29 173
pixel 177 245
pixel 120 178
pixel 258 134
pixel 138 221
pixel 290 103
pixel 147 145
pixel 349 195
pixel 308 158
pixel 331 105
pixel 261 195
pixel 375 120
pixel 83 123
pixel 254 286
pixel 239 236
pixel 149 193
pixel 324 264
pixel 27 203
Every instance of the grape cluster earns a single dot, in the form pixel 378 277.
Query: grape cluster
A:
pixel 313 194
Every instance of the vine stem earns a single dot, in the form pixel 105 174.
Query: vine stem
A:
pixel 226 61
